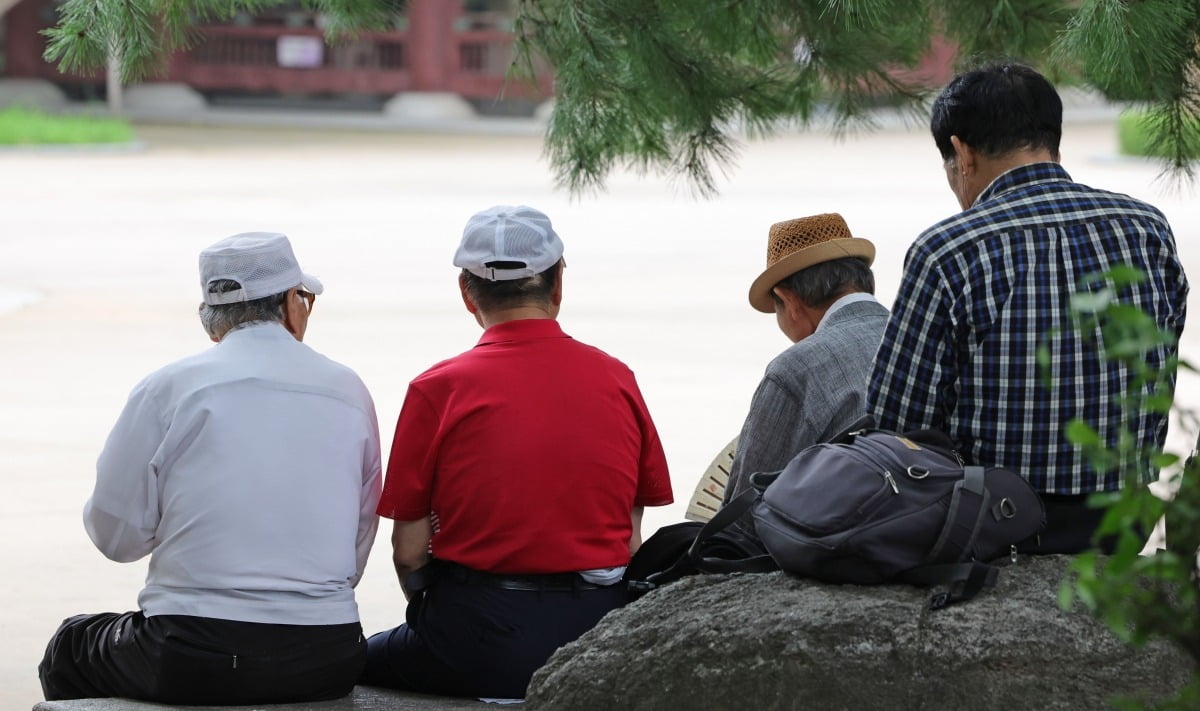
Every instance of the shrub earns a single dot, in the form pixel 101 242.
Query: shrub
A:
pixel 1134 135
pixel 22 126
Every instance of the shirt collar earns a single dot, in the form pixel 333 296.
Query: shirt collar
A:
pixel 846 300
pixel 258 329
pixel 1022 176
pixel 522 330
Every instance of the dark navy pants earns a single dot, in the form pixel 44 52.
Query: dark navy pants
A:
pixel 178 659
pixel 474 640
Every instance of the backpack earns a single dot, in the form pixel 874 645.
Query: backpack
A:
pixel 875 506
pixel 667 549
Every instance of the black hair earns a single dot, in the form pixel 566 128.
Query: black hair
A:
pixel 997 109
pixel 820 284
pixel 509 293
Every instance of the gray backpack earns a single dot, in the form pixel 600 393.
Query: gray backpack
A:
pixel 877 507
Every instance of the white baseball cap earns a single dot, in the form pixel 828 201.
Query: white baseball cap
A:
pixel 508 242
pixel 261 262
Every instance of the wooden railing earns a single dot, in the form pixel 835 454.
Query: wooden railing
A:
pixel 258 59
pixel 483 60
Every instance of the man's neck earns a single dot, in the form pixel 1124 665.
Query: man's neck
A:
pixel 988 169
pixel 492 318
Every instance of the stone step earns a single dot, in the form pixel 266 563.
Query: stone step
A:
pixel 364 698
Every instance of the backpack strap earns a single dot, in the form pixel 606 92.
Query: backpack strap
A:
pixel 968 504
pixel 962 581
pixel 721 520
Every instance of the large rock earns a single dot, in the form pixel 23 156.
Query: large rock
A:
pixel 774 641
pixel 428 106
pixel 363 698
pixel 31 94
pixel 163 100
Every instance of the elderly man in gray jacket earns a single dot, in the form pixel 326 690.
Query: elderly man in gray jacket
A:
pixel 818 283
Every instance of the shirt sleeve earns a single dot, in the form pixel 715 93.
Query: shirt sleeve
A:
pixel 407 489
pixel 654 480
pixel 914 375
pixel 775 430
pixel 372 479
pixel 122 515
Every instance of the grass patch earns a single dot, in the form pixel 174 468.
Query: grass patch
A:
pixel 29 127
pixel 1134 135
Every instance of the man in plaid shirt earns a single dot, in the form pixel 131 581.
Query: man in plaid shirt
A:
pixel 982 290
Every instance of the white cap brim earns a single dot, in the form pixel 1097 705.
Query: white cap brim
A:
pixel 311 284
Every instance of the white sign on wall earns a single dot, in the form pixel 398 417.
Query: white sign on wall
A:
pixel 300 51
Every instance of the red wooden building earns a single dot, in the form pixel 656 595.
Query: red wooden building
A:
pixel 458 46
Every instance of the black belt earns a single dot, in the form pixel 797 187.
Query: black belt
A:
pixel 546 582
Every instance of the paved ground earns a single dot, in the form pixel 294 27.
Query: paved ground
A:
pixel 98 287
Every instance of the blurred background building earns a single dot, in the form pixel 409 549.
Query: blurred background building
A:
pixel 280 58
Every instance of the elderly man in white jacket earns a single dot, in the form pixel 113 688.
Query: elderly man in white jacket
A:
pixel 250 474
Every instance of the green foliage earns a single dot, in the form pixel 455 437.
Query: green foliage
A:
pixel 1140 133
pixel 27 127
pixel 1138 597
pixel 660 84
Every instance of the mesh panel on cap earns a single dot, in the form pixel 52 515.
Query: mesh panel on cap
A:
pixel 262 263
pixel 794 235
pixel 520 242
pixel 508 242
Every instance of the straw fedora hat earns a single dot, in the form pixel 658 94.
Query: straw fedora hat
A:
pixel 796 244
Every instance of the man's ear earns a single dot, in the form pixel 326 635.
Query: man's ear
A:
pixel 789 299
pixel 467 301
pixel 557 292
pixel 964 156
pixel 295 315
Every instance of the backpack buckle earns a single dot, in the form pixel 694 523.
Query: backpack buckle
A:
pixel 939 600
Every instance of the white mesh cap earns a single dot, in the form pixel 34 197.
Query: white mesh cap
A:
pixel 261 262
pixel 508 242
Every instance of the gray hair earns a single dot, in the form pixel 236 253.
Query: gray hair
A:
pixel 221 319
pixel 820 284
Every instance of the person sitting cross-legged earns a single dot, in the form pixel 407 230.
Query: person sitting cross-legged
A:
pixel 517 478
pixel 250 474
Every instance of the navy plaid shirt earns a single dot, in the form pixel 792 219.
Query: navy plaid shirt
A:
pixel 983 289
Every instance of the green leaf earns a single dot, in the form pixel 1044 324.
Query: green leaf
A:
pixel 1066 596
pixel 1081 434
pixel 1123 275
pixel 1091 302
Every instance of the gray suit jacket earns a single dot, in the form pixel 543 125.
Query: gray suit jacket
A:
pixel 810 392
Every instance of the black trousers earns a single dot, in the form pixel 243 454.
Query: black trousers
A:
pixel 179 659
pixel 1070 527
pixel 473 639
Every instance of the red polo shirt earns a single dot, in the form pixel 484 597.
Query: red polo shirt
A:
pixel 530 451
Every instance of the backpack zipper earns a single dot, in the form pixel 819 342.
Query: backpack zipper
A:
pixel 874 466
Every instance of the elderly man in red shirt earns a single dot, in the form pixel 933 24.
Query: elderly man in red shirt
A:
pixel 517 479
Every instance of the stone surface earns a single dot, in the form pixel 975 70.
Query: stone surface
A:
pixel 162 99
pixel 544 111
pixel 31 94
pixel 776 641
pixel 422 105
pixel 364 698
